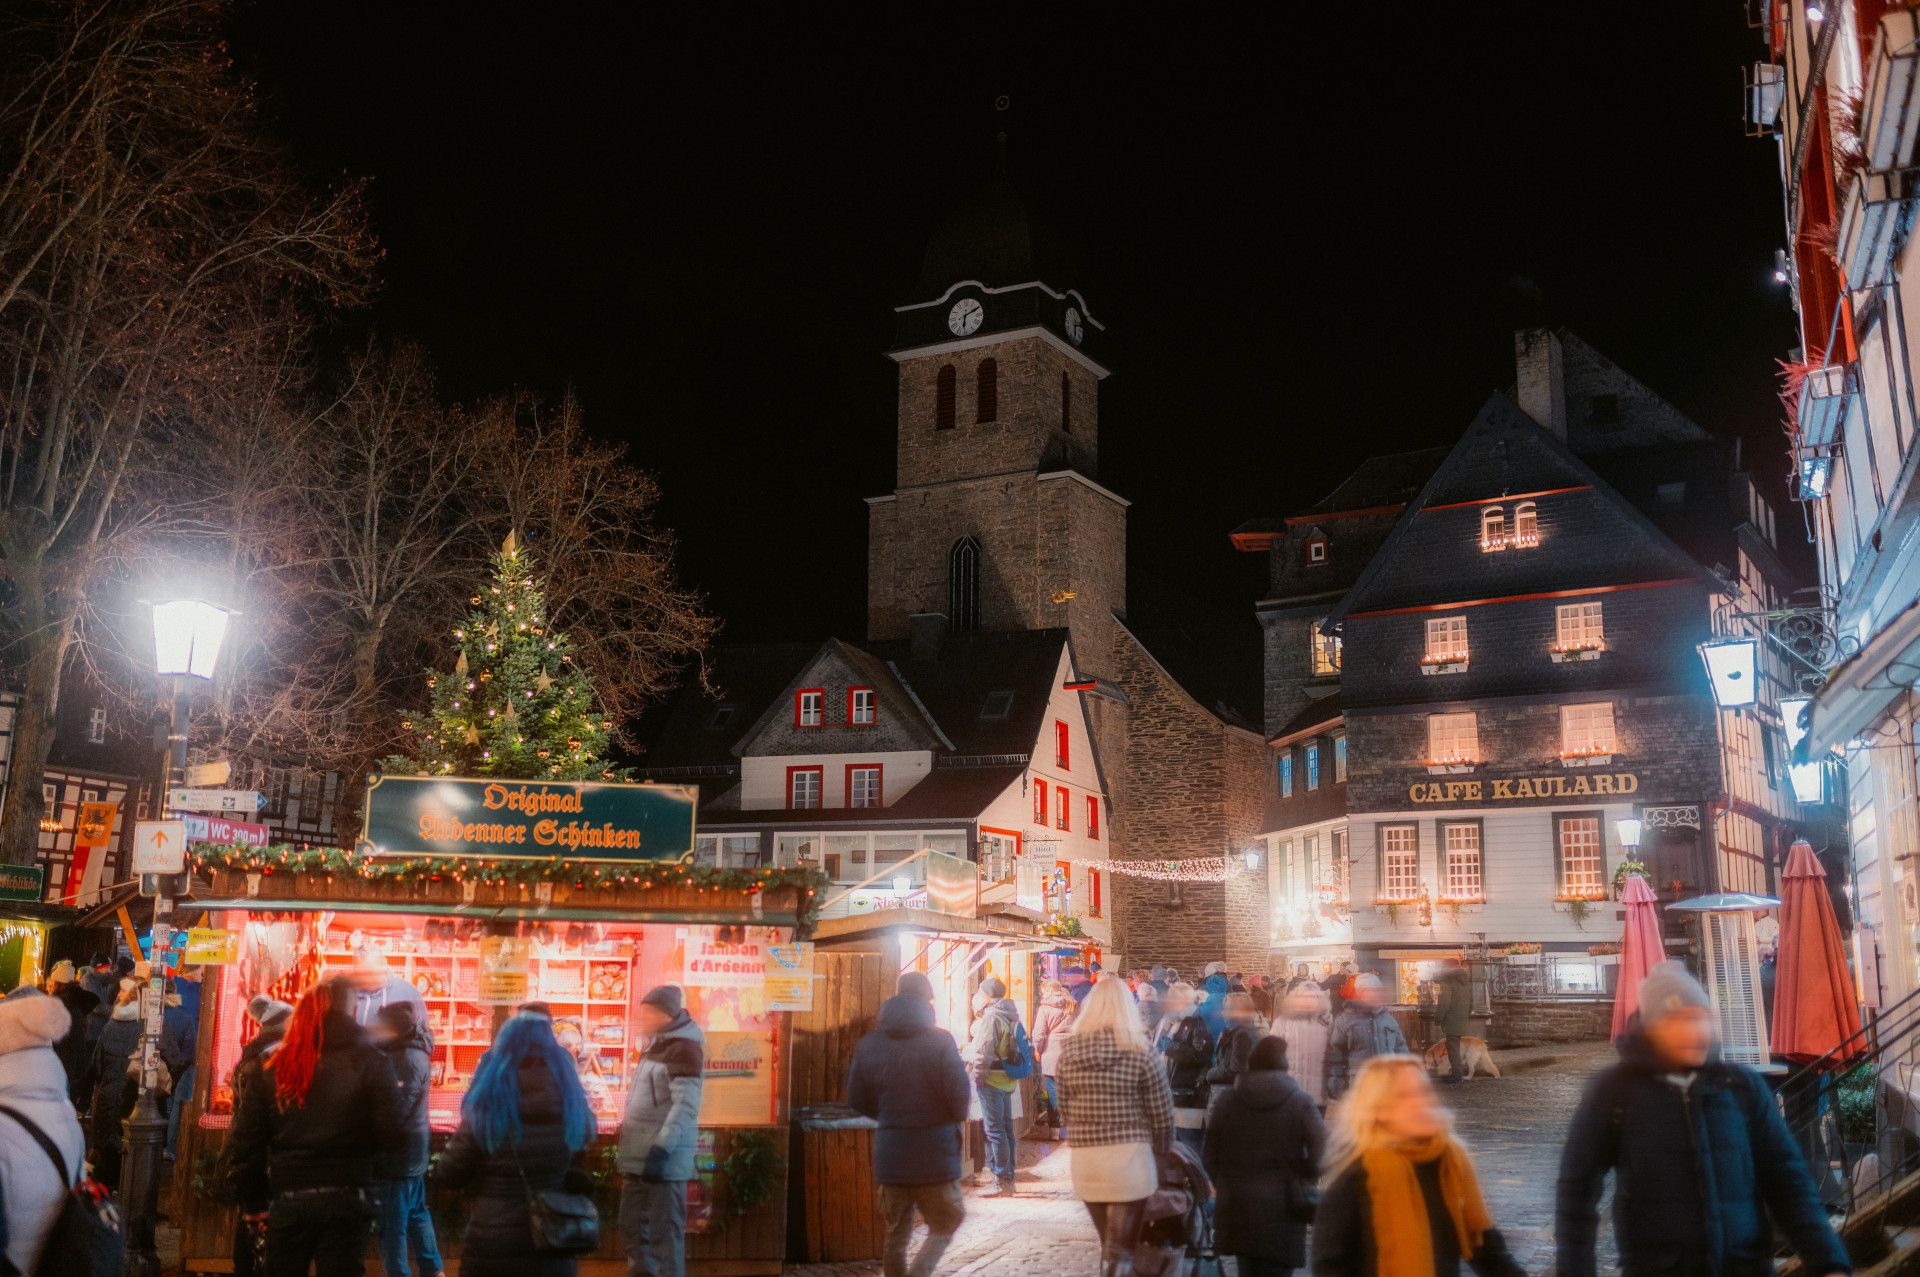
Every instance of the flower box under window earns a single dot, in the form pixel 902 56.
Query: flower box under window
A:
pixel 1451 766
pixel 1576 652
pixel 1443 663
pixel 1596 757
pixel 1459 901
pixel 1580 897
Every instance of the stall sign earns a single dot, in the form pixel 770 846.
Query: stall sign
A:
pixel 224 832
pixel 22 882
pixel 1525 788
pixel 789 977
pixel 211 947
pixel 526 819
pixel 953 884
pixel 738 1090
pixel 873 900
pixel 710 963
pixel 506 970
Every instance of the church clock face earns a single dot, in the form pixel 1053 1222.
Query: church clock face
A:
pixel 965 316
pixel 1074 331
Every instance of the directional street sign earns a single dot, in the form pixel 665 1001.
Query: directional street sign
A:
pixel 207 775
pixel 159 846
pixel 244 801
pixel 218 829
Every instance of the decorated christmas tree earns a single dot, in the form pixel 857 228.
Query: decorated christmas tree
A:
pixel 514 704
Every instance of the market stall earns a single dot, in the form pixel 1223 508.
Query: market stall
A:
pixel 24 925
pixel 474 937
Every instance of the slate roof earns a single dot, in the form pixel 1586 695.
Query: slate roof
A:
pixel 989 239
pixel 748 676
pixel 1322 710
pixel 947 793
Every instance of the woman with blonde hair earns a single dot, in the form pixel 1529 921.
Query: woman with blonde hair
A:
pixel 1400 1196
pixel 1119 1113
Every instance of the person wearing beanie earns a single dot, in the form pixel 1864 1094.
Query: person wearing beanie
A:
pixel 906 1075
pixel 996 1041
pixel 33 1085
pixel 1365 1029
pixel 658 1132
pixel 404 1226
pixel 1704 1166
pixel 64 985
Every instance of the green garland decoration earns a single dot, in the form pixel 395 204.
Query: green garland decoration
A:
pixel 752 1172
pixel 582 875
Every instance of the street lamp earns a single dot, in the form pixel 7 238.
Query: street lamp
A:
pixel 1627 829
pixel 1730 668
pixel 187 634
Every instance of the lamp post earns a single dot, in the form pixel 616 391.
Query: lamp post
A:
pixel 1627 829
pixel 187 634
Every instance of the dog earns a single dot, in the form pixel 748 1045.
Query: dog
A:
pixel 1474 1057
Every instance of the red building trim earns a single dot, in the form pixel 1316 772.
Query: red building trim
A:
pixel 1042 813
pixel 820 786
pixel 1062 745
pixel 1524 598
pixel 800 696
pixel 1093 817
pixel 1063 808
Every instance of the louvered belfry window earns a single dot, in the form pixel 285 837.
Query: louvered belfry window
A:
pixel 986 391
pixel 943 397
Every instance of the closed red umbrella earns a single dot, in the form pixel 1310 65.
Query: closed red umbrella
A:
pixel 1813 1007
pixel 1641 949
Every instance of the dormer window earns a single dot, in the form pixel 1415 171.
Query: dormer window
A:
pixel 1497 533
pixel 1493 529
pixel 1526 525
pixel 1317 550
pixel 861 709
pixel 810 707
pixel 943 398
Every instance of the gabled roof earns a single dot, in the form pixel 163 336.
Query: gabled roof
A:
pixel 896 702
pixel 1503 457
pixel 954 688
pixel 1384 480
pixel 747 676
pixel 947 793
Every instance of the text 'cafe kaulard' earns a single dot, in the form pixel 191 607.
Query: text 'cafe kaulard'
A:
pixel 1524 788
pixel 477 896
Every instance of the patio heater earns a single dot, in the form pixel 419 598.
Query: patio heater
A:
pixel 1730 954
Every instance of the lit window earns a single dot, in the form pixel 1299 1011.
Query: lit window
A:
pixel 1040 803
pixel 1317 550
pixel 1284 769
pixel 861 710
pixel 1446 641
pixel 1493 528
pixel 1339 760
pixel 1586 731
pixel 97 726
pixel 1062 805
pixel 1326 650
pixel 1526 525
pixel 1460 841
pixel 1399 862
pixel 863 786
pixel 1062 756
pixel 1583 862
pixel 1453 738
pixel 1313 766
pixel 1577 627
pixel 810 707
pixel 803 787
pixel 1093 817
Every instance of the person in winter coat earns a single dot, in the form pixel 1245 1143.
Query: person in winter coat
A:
pixel 79 1002
pixel 1119 1115
pixel 996 1023
pixel 404 1225
pixel 1213 1002
pixel 1079 984
pixel 657 1135
pixel 110 1085
pixel 33 1084
pixel 1305 1025
pixel 372 984
pixel 1452 1013
pixel 1176 1004
pixel 1244 1030
pixel 1400 1197
pixel 1186 1048
pixel 250 1219
pixel 523 1125
pixel 1052 1026
pixel 1365 1029
pixel 307 1136
pixel 1260 989
pixel 102 979
pixel 1335 986
pixel 1700 1155
pixel 1263 1151
pixel 907 1076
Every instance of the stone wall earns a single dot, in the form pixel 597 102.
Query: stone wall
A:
pixel 1532 1021
pixel 1026 423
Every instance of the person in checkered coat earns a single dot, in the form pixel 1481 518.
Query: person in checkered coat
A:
pixel 1119 1113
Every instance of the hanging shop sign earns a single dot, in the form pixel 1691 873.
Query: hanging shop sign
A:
pixel 789 977
pixel 211 947
pixel 225 833
pixel 1525 789
pixel 527 819
pixel 719 958
pixel 22 882
pixel 738 1088
pixel 506 970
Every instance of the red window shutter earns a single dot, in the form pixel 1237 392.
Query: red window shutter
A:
pixel 1093 816
pixel 943 399
pixel 1093 892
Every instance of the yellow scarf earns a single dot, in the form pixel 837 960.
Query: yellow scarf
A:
pixel 1402 1241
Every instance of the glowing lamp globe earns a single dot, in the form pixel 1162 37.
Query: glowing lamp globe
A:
pixel 1628 830
pixel 187 634
pixel 1730 669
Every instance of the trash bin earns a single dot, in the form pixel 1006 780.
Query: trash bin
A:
pixel 833 1213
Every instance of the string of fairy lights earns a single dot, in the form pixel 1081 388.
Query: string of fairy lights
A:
pixel 1190 869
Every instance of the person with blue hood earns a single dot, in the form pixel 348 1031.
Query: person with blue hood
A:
pixel 1704 1166
pixel 907 1076
pixel 1213 1001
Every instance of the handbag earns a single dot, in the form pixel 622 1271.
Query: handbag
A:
pixel 562 1223
pixel 85 1239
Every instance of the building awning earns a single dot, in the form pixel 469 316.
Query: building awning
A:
pixel 1864 687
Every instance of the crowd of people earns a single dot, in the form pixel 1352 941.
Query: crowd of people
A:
pixel 330 1141
pixel 1323 1135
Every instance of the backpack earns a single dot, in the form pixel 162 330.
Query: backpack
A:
pixel 1013 1054
pixel 86 1238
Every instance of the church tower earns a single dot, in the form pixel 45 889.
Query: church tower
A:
pixel 996 520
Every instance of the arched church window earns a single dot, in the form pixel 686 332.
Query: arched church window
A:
pixel 943 399
pixel 963 584
pixel 1066 404
pixel 986 391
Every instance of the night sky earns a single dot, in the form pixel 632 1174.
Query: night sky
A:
pixel 1309 240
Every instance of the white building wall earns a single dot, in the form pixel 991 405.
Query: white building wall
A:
pixel 763 780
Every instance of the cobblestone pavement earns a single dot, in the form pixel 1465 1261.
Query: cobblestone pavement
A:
pixel 1514 1126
